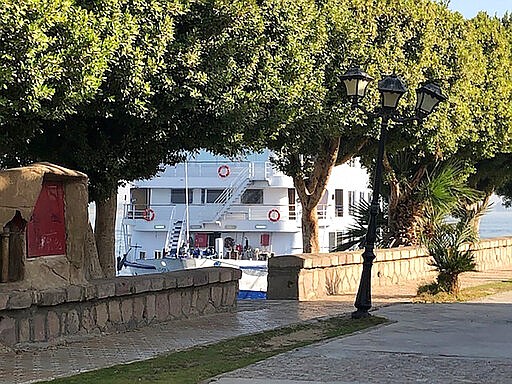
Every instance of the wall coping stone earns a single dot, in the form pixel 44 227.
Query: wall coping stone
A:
pixel 11 297
pixel 325 260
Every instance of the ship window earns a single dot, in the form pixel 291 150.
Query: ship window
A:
pixel 178 196
pixel 338 202
pixel 210 195
pixel 351 202
pixel 335 240
pixel 321 208
pixel 142 255
pixel 158 254
pixel 252 196
pixel 292 214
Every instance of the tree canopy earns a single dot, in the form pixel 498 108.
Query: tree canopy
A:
pixel 115 88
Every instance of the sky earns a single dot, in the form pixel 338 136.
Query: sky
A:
pixel 469 8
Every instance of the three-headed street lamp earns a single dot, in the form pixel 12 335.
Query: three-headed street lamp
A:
pixel 391 89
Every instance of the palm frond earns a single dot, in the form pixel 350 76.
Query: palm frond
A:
pixel 355 235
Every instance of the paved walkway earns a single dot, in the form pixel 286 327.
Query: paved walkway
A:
pixel 254 316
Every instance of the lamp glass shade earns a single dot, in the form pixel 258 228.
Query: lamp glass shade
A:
pixel 391 89
pixel 426 103
pixel 356 87
pixel 362 84
pixel 390 99
pixel 428 97
pixel 351 86
pixel 356 82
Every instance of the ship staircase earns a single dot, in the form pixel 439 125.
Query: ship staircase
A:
pixel 234 191
pixel 175 236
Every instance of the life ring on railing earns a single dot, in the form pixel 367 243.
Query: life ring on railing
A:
pixel 148 215
pixel 274 215
pixel 223 171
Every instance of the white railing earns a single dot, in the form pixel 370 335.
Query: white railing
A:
pixel 235 189
pixel 161 212
pixel 259 212
pixel 260 170
pixel 210 212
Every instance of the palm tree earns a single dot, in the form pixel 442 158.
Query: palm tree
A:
pixel 423 204
pixel 449 245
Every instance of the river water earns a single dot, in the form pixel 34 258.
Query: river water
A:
pixel 496 223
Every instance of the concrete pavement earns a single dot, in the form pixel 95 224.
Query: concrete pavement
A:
pixel 427 342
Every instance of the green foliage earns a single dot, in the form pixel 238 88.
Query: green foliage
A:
pixel 450 249
pixel 355 235
pixel 444 192
pixel 52 61
pixel 174 84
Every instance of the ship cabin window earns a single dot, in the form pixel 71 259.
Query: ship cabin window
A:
pixel 351 202
pixel 178 196
pixel 252 196
pixel 158 254
pixel 321 208
pixel 139 202
pixel 338 202
pixel 142 255
pixel 292 213
pixel 210 196
pixel 335 240
pixel 362 196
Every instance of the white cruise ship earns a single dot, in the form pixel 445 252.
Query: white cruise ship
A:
pixel 214 210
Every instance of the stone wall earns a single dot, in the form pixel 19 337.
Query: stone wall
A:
pixel 116 304
pixel 314 277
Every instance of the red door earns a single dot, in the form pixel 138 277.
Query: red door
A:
pixel 46 231
pixel 201 240
pixel 265 239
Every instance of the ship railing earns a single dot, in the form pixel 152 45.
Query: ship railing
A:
pixel 259 170
pixel 146 211
pixel 270 212
pixel 267 212
pixel 322 211
pixel 239 182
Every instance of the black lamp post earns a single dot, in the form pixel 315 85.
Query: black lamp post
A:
pixel 391 89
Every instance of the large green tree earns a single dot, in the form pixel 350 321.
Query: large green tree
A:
pixel 405 37
pixel 51 62
pixel 173 85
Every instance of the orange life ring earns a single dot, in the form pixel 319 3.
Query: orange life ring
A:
pixel 274 215
pixel 148 215
pixel 223 171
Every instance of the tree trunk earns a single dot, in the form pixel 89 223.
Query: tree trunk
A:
pixel 92 267
pixel 104 232
pixel 479 208
pixel 404 214
pixel 405 222
pixel 310 240
pixel 310 192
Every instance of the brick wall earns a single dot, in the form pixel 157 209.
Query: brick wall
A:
pixel 116 304
pixel 314 277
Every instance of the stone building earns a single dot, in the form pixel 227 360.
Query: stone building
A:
pixel 46 239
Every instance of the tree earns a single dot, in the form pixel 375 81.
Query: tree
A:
pixel 403 37
pixel 173 85
pixel 51 61
pixel 451 253
pixel 492 173
pixel 474 126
